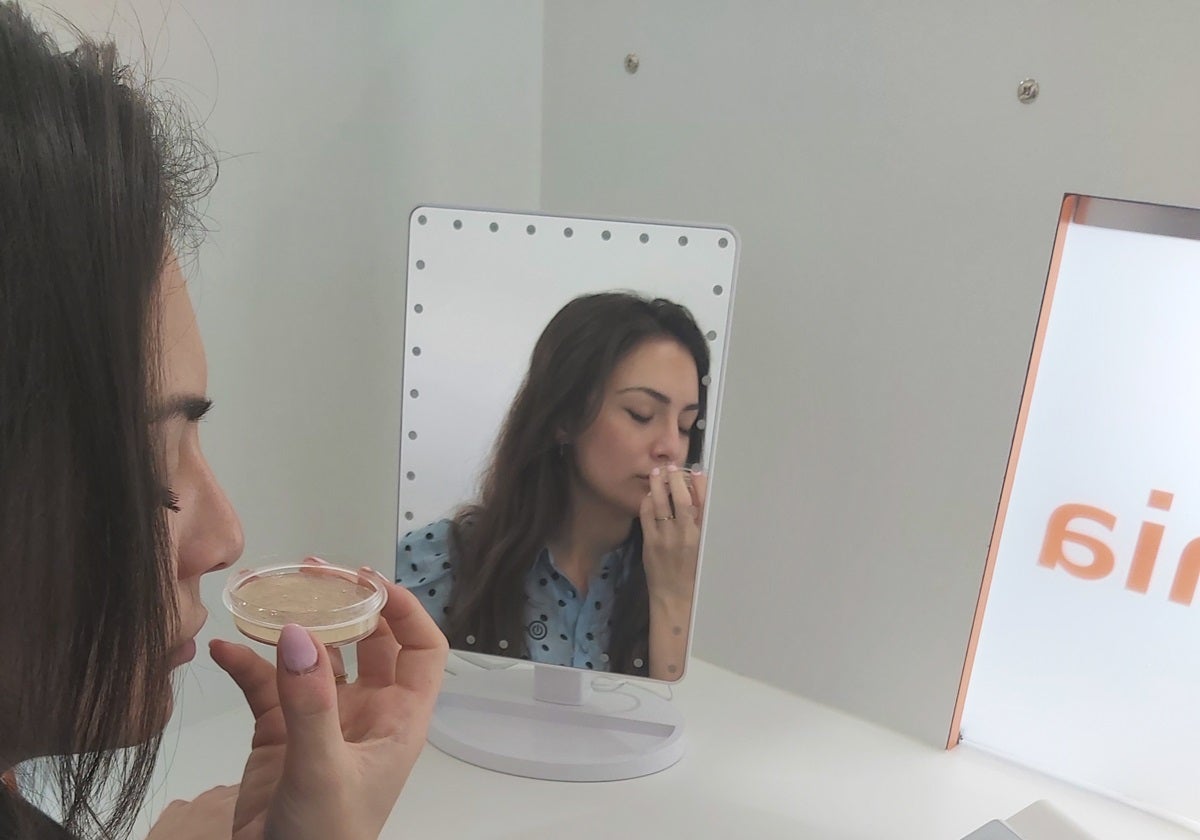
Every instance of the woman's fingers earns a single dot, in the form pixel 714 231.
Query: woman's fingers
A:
pixel 336 662
pixel 254 675
pixel 646 515
pixel 685 509
pixel 422 645
pixel 308 698
pixel 660 495
pixel 377 653
pixel 699 489
pixel 377 657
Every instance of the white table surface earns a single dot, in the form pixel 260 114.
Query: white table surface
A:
pixel 761 763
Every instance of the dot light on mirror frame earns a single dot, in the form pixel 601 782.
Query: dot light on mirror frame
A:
pixel 722 242
pixel 421 220
pixel 711 335
pixel 568 233
pixel 717 290
pixel 606 235
pixel 458 224
pixel 683 241
pixel 418 309
pixel 420 265
pixel 644 238
pixel 493 227
pixel 530 229
pixel 414 393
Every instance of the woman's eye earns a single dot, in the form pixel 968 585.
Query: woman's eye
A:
pixel 170 500
pixel 637 417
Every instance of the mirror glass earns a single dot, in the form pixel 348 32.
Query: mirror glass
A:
pixel 561 395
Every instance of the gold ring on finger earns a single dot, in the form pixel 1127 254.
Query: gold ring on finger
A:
pixel 340 679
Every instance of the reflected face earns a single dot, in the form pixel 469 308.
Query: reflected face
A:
pixel 650 404
pixel 205 532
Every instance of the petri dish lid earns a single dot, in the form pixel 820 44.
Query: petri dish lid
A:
pixel 315 597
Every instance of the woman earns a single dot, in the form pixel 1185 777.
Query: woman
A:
pixel 582 548
pixel 109 514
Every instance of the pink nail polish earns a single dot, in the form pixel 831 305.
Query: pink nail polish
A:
pixel 655 471
pixel 297 649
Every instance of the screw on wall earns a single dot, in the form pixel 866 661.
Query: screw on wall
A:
pixel 1027 90
pixel 632 62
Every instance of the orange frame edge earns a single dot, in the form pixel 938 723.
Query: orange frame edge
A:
pixel 1065 216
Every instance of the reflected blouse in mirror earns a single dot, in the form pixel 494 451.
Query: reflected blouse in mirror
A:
pixel 561 627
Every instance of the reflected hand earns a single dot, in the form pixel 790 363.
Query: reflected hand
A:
pixel 330 760
pixel 671 517
pixel 207 817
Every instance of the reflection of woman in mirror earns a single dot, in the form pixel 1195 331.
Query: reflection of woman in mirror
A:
pixel 582 547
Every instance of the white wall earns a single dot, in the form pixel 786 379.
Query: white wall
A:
pixel 335 121
pixel 897 206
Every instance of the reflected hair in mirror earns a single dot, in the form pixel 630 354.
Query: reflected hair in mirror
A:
pixel 524 491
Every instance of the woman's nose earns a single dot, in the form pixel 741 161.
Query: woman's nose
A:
pixel 670 448
pixel 214 538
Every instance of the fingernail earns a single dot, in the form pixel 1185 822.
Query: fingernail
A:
pixel 672 468
pixel 316 561
pixel 297 649
pixel 655 471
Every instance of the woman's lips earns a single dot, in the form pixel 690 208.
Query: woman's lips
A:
pixel 185 651
pixel 183 654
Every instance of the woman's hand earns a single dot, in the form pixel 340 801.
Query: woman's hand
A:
pixel 207 817
pixel 671 517
pixel 330 760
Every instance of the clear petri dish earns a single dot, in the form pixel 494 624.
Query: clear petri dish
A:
pixel 339 606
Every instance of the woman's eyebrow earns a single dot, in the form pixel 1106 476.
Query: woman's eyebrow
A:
pixel 188 406
pixel 658 396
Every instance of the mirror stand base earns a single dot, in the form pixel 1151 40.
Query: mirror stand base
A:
pixel 492 719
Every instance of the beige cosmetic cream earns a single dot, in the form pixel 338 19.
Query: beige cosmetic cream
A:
pixel 338 606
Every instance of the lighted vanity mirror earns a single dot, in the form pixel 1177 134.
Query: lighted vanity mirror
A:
pixel 562 382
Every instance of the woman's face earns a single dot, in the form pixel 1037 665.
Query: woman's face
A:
pixel 205 532
pixel 650 403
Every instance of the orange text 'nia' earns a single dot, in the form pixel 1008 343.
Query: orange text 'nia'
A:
pixel 1145 553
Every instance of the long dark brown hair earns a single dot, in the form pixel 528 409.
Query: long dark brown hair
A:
pixel 97 180
pixel 525 490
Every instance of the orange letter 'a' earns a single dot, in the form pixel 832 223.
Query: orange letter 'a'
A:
pixel 1058 534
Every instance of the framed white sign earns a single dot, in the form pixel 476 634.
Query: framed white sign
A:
pixel 1085 659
